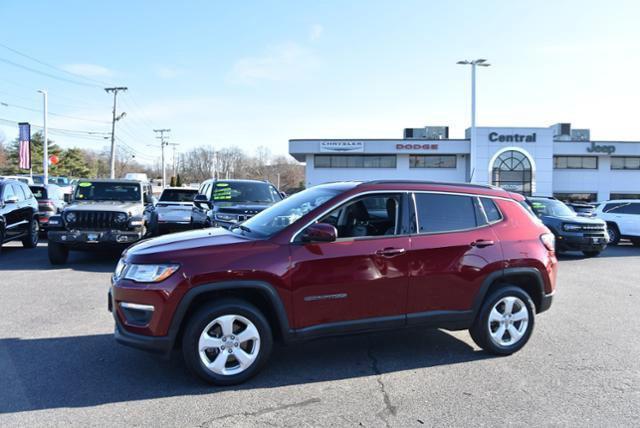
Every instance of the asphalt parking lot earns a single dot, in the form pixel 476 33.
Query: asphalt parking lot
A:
pixel 59 364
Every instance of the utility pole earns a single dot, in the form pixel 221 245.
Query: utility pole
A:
pixel 115 91
pixel 162 145
pixel 45 143
pixel 173 158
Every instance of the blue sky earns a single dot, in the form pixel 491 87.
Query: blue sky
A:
pixel 261 72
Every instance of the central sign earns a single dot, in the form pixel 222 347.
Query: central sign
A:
pixel 512 138
pixel 342 146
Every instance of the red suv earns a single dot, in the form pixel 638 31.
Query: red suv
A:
pixel 339 258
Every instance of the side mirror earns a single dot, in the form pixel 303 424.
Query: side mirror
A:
pixel 67 197
pixel 200 200
pixel 284 195
pixel 148 198
pixel 320 232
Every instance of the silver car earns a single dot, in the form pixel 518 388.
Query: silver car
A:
pixel 173 211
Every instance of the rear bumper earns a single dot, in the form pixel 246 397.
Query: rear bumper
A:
pixel 545 302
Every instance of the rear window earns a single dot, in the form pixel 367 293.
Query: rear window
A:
pixel 491 210
pixel 39 192
pixel 178 195
pixel 623 208
pixel 445 213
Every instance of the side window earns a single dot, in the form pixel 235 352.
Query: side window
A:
pixel 612 207
pixel 8 192
pixel 439 213
pixel 27 191
pixel 205 190
pixel 491 210
pixel 627 208
pixel 17 189
pixel 376 215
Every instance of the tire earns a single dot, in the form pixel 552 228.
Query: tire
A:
pixel 206 325
pixel 636 242
pixel 614 233
pixel 486 334
pixel 1 240
pixel 31 240
pixel 591 253
pixel 58 253
pixel 154 228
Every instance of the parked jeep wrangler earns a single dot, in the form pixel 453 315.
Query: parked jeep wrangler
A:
pixel 334 259
pixel 103 213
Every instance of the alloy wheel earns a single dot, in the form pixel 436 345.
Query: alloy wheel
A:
pixel 34 232
pixel 508 321
pixel 613 234
pixel 229 345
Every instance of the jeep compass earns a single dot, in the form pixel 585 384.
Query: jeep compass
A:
pixel 334 259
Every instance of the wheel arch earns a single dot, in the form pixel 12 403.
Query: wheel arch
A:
pixel 528 279
pixel 258 293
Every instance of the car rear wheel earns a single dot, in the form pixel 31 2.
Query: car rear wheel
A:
pixel 636 242
pixel 505 321
pixel 614 234
pixel 58 253
pixel 227 343
pixel 591 253
pixel 31 240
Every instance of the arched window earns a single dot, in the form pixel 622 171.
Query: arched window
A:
pixel 512 171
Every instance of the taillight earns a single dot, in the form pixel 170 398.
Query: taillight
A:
pixel 46 205
pixel 549 241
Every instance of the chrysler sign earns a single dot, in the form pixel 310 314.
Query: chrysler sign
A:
pixel 342 146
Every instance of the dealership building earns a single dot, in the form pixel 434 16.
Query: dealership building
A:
pixel 555 160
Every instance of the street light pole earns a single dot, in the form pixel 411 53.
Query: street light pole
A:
pixel 473 63
pixel 45 143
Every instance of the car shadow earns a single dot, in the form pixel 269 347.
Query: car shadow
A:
pixel 15 257
pixel 86 371
pixel 623 249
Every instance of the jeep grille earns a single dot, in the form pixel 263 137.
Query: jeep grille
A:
pixel 96 220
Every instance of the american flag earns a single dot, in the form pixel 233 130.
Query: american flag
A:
pixel 25 146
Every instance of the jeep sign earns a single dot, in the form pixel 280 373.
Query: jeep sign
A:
pixel 595 148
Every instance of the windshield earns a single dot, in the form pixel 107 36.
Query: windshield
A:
pixel 288 211
pixel 551 207
pixel 178 195
pixel 60 181
pixel 232 191
pixel 88 191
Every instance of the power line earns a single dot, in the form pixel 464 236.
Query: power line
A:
pixel 33 70
pixel 76 131
pixel 52 66
pixel 53 114
pixel 162 145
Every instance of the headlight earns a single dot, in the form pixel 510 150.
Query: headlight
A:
pixel 226 217
pixel 119 268
pixel 70 217
pixel 120 218
pixel 567 227
pixel 150 273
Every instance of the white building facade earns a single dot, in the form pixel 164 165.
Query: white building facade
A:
pixel 552 161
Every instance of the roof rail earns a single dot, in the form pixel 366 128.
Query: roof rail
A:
pixel 445 183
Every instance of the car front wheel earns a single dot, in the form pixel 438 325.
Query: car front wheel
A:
pixel 614 234
pixel 505 321
pixel 227 343
pixel 31 240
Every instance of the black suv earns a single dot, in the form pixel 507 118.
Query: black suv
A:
pixel 103 213
pixel 18 214
pixel 572 232
pixel 229 202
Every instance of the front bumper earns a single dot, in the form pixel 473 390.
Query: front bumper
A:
pixel 80 238
pixel 155 344
pixel 167 225
pixel 567 242
pixel 545 302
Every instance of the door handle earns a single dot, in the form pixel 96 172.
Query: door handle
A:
pixel 390 252
pixel 481 243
